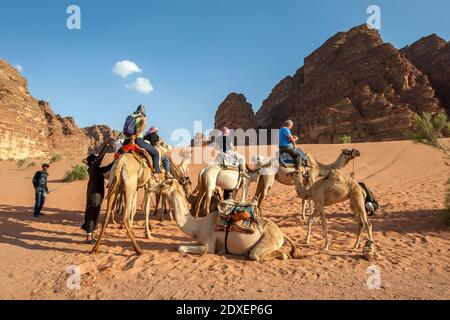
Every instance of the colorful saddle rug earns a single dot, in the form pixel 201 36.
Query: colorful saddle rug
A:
pixel 235 217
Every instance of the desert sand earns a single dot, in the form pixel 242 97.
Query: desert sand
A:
pixel 410 232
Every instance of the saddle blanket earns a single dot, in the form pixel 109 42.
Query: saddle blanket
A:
pixel 286 159
pixel 236 217
pixel 228 161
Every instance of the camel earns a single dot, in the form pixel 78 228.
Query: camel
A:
pixel 335 188
pixel 128 175
pixel 263 245
pixel 272 172
pixel 214 175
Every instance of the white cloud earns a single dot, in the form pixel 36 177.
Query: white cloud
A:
pixel 19 68
pixel 141 85
pixel 125 68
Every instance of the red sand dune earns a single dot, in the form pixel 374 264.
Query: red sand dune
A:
pixel 410 232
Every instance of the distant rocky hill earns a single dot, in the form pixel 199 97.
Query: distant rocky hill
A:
pixel 354 84
pixel 432 55
pixel 30 129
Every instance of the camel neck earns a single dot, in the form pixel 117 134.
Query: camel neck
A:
pixel 187 223
pixel 340 162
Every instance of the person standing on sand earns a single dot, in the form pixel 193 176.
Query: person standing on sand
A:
pixel 40 189
pixel 95 191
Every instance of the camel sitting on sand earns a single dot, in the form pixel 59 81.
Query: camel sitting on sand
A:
pixel 262 245
pixel 335 188
pixel 127 175
pixel 214 175
pixel 272 172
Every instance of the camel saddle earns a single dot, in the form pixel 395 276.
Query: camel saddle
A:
pixel 138 153
pixel 228 162
pixel 286 160
pixel 236 217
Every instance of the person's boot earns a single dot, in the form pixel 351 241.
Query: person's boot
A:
pixel 90 238
pixel 169 175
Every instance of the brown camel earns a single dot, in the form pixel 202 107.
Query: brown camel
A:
pixel 262 245
pixel 336 187
pixel 127 176
pixel 272 172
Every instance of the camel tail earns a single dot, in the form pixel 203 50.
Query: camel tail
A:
pixel 295 253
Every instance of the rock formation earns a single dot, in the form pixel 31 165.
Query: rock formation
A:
pixel 99 135
pixel 235 113
pixel 354 84
pixel 29 128
pixel 432 56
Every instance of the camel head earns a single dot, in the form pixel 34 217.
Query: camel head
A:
pixel 258 161
pixel 351 153
pixel 168 187
pixel 300 176
pixel 186 183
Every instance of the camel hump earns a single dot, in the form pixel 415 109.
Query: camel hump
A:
pixel 336 175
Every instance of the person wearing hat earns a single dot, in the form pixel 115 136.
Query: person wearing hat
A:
pixel 152 138
pixel 40 189
pixel 141 123
pixel 95 191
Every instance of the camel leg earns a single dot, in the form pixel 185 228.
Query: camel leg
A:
pixel 266 249
pixel 133 210
pixel 245 187
pixel 102 232
pixel 310 223
pixel 357 205
pixel 147 209
pixel 133 240
pixel 158 198
pixel 325 229
pixel 303 213
pixel 200 250
pixel 170 211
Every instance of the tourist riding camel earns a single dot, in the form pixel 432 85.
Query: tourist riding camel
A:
pixel 95 191
pixel 244 233
pixel 275 170
pixel 287 144
pixel 134 128
pixel 153 138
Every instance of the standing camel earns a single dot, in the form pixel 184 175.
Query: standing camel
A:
pixel 127 176
pixel 214 175
pixel 275 172
pixel 264 244
pixel 336 187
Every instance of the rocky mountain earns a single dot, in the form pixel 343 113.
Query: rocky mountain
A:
pixel 432 55
pixel 235 112
pixel 29 128
pixel 99 135
pixel 354 84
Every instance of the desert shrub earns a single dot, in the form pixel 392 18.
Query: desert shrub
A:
pixel 428 129
pixel 56 158
pixel 31 165
pixel 21 163
pixel 79 172
pixel 345 139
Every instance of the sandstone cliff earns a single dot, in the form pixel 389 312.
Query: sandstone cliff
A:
pixel 99 135
pixel 432 56
pixel 235 113
pixel 29 128
pixel 354 84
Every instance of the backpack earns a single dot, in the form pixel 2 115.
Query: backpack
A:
pixel 371 203
pixel 129 128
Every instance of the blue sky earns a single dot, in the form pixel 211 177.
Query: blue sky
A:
pixel 194 52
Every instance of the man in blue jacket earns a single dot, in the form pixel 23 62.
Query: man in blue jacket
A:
pixel 40 189
pixel 287 144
